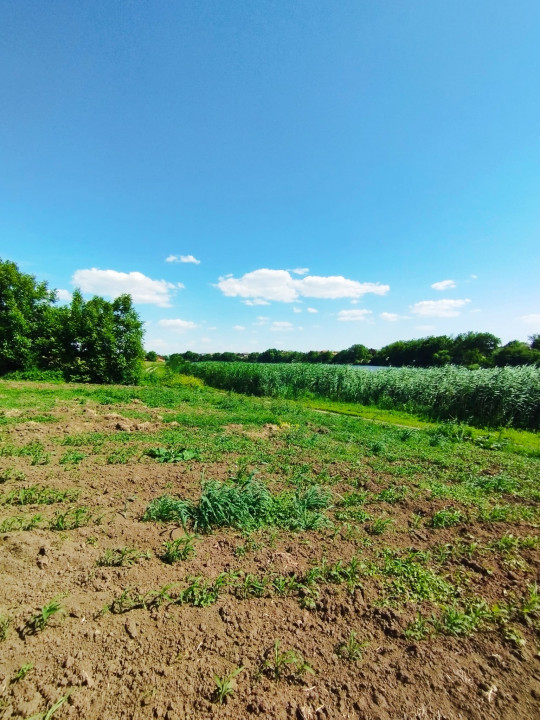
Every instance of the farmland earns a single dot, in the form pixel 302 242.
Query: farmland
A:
pixel 186 552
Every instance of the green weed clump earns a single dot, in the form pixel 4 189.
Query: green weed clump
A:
pixel 225 685
pixel 277 663
pixel 121 557
pixel 172 455
pixel 247 507
pixel 181 548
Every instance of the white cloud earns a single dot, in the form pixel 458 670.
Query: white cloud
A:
pixel 300 271
pixel 280 286
pixel 112 283
pixel 256 301
pixel 474 277
pixel 239 327
pixel 439 308
pixel 312 310
pixel 532 319
pixel 444 285
pixel 64 295
pixel 177 324
pixel 262 320
pixel 182 259
pixel 278 326
pixel 297 309
pixel 353 315
pixel 389 317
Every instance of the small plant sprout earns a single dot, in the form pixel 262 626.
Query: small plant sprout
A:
pixel 181 548
pixel 41 619
pixel 278 663
pixel 120 557
pixel 225 685
pixel 351 649
pixel 22 672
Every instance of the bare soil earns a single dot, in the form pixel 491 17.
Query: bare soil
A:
pixel 161 662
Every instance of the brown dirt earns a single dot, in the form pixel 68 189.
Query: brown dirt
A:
pixel 161 663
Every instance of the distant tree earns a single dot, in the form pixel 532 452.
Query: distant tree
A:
pixel 516 353
pixel 534 342
pixel 151 356
pixel 474 348
pixel 355 355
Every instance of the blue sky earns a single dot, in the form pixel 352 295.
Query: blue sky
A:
pixel 302 175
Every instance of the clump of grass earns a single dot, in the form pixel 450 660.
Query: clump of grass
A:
pixel 172 455
pixel 169 509
pixel 181 548
pixel 11 475
pixel 20 522
pixel 72 457
pixel 225 685
pixel 246 506
pixel 121 456
pixel 41 619
pixel 351 649
pixel 39 495
pixel 277 663
pixel 120 557
pixel 72 518
pixel 447 518
pixel 379 526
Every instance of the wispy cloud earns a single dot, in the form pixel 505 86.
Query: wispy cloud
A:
pixel 280 286
pixel 281 325
pixel 353 315
pixel 300 271
pixel 238 327
pixel 392 317
pixel 177 324
pixel 112 283
pixel 312 310
pixel 531 319
pixel 439 308
pixel 182 259
pixel 444 285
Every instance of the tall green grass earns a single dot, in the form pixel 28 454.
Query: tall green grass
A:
pixel 508 396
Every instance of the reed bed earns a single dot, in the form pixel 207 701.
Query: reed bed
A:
pixel 507 396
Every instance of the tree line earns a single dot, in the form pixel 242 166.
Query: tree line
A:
pixel 86 341
pixel 471 349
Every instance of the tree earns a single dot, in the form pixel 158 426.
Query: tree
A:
pixel 355 355
pixel 95 341
pixel 26 309
pixel 151 356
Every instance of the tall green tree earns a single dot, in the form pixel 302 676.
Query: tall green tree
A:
pixel 26 315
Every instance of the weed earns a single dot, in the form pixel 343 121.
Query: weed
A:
pixel 41 619
pixel 172 455
pixel 446 518
pixel 39 495
pixel 514 637
pixel 252 586
pixel 351 649
pixel 276 663
pixel 121 456
pixel 72 457
pixel 530 605
pixel 379 526
pixel 456 621
pixel 168 509
pixel 20 522
pixel 22 672
pixel 51 711
pixel 11 475
pixel 179 549
pixel 392 495
pixel 417 629
pixel 120 557
pixel 225 685
pixel 72 518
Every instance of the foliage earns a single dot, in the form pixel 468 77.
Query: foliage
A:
pixel 87 341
